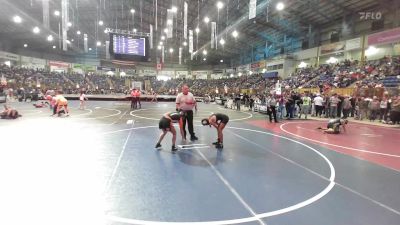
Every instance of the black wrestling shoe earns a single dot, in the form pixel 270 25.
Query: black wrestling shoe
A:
pixel 158 145
pixel 219 145
pixel 215 143
pixel 194 138
pixel 174 149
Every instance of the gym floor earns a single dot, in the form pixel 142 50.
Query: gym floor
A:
pixel 99 166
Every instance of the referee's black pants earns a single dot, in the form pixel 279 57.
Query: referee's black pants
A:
pixel 188 116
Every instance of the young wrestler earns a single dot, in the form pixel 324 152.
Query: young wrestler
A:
pixel 9 113
pixel 219 121
pixel 334 125
pixel 82 100
pixel 166 125
pixel 61 103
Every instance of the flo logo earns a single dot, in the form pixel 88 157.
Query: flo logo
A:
pixel 370 15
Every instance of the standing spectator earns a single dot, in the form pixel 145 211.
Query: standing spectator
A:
pixel 374 106
pixel 334 100
pixel 363 108
pixel 346 105
pixel 395 110
pixel 383 109
pixel 319 105
pixel 237 101
pixel 185 102
pixel 137 96
pixel 305 107
pixel 281 108
pixel 271 108
pixel 251 103
pixel 353 106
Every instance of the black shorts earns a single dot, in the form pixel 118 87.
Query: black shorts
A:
pixel 164 123
pixel 224 119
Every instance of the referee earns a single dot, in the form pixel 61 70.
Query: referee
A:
pixel 185 102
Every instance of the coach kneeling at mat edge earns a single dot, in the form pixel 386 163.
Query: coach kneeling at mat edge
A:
pixel 185 102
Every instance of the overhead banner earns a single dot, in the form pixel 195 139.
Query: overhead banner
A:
pixel 191 42
pixel 353 44
pixel 59 64
pixel 213 33
pixel 170 23
pixel 65 20
pixel 252 9
pixel 384 37
pixel 185 10
pixel 151 36
pixel 162 54
pixel 107 49
pixel 180 56
pixel 46 12
pixel 333 48
pixel 85 44
pixel 9 56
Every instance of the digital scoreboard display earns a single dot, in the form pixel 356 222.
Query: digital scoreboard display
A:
pixel 127 45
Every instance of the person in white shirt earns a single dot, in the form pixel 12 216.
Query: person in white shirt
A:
pixel 185 102
pixel 319 105
pixel 82 100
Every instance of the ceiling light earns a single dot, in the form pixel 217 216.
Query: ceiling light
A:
pixel 50 38
pixel 184 43
pixel 204 59
pixel 68 42
pixel 17 19
pixel 25 45
pixel 239 74
pixel 220 5
pixel 57 13
pixel 69 24
pixel 163 37
pixel 280 6
pixel 72 40
pixel 132 11
pixel 36 30
pixel 98 43
pixel 169 22
pixel 90 49
pixel 222 41
pixel 101 22
pixel 161 43
pixel 204 52
pixel 231 75
pixel 54 46
pixel 171 50
pixel 197 30
pixel 221 60
pixel 159 47
pixel 106 31
pixel 166 30
pixel 174 9
pixel 78 32
pixel 134 30
pixel 206 19
pixel 234 33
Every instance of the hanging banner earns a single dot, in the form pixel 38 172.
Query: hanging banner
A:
pixel 107 49
pixel 65 20
pixel 353 44
pixel 185 11
pixel 170 23
pixel 213 32
pixel 156 14
pixel 180 56
pixel 151 36
pixel 191 41
pixel 46 11
pixel 162 54
pixel 252 9
pixel 85 44
pixel 333 48
pixel 388 36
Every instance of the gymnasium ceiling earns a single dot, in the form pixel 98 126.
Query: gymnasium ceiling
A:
pixel 270 24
